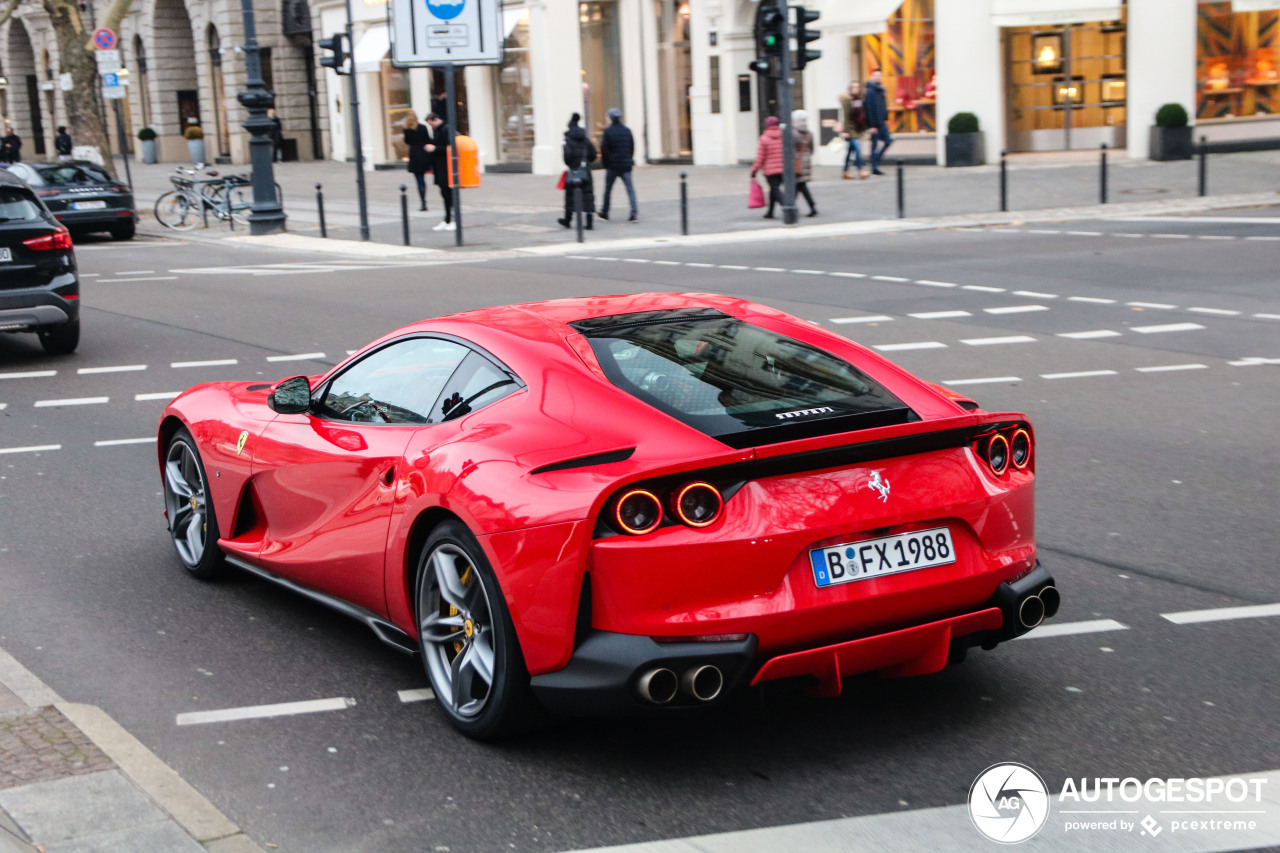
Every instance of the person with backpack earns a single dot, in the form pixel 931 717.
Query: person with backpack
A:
pixel 579 152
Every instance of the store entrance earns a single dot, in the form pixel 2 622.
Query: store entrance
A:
pixel 1066 86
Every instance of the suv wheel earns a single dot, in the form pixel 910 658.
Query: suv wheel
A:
pixel 61 340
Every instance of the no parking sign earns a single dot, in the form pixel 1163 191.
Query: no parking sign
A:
pixel 104 39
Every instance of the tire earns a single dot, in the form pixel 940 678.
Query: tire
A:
pixel 176 209
pixel 60 340
pixel 466 630
pixel 193 525
pixel 124 231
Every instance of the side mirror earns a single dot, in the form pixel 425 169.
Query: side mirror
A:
pixel 291 396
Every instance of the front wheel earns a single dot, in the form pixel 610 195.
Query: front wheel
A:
pixel 124 231
pixel 177 210
pixel 468 642
pixel 189 508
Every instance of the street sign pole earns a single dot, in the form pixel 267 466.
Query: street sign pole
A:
pixel 790 216
pixel 354 102
pixel 124 144
pixel 455 182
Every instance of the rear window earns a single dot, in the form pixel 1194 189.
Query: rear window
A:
pixel 65 176
pixel 739 383
pixel 16 205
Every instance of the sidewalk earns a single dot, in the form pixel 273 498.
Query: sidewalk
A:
pixel 73 781
pixel 512 211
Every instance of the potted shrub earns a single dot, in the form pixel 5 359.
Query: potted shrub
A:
pixel 965 142
pixel 195 142
pixel 1171 136
pixel 147 137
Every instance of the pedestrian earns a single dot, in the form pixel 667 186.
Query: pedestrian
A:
pixel 877 115
pixel 277 136
pixel 62 143
pixel 802 140
pixel 416 137
pixel 10 146
pixel 578 153
pixel 854 126
pixel 617 153
pixel 438 148
pixel 769 161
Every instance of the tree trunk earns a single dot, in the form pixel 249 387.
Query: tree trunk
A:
pixel 86 118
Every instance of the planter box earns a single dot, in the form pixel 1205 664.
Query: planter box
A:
pixel 148 150
pixel 966 149
pixel 195 148
pixel 1172 143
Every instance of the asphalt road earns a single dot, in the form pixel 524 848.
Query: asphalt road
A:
pixel 1146 352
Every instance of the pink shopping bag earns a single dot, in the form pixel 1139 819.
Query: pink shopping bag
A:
pixel 755 198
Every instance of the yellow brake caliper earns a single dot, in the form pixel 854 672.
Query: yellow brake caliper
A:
pixel 453 611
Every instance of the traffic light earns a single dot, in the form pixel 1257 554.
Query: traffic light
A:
pixel 771 29
pixel 338 60
pixel 803 56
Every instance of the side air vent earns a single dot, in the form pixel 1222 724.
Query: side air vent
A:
pixel 586 461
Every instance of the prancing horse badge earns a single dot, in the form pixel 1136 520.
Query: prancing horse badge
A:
pixel 244 436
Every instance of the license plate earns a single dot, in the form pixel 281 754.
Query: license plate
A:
pixel 5 254
pixel 888 555
pixel 88 205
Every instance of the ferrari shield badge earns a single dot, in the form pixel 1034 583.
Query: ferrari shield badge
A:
pixel 244 436
pixel 880 485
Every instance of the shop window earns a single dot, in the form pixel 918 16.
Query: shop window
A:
pixel 395 106
pixel 601 63
pixel 1236 62
pixel 715 85
pixel 904 52
pixel 514 86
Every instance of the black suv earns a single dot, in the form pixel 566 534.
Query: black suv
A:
pixel 39 287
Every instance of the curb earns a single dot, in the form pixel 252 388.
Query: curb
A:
pixel 198 817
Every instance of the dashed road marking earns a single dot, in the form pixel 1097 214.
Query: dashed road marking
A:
pixel 871 318
pixel 636 260
pixel 670 264
pixel 981 288
pixel 1016 309
pixel 928 282
pixel 812 272
pixel 734 267
pixel 156 395
pixel 1220 311
pixel 759 269
pixel 215 362
pixel 939 315
pixel 29 374
pixel 1067 629
pixel 1172 236
pixel 150 278
pixel 1253 611
pixel 1161 305
pixel 1167 327
pixel 1253 361
pixel 896 278
pixel 35 448
pixel 1163 368
pixel 1007 339
pixel 848 274
pixel 911 346
pixel 1096 300
pixel 119 368
pixel 71 401
pixel 1085 233
pixel 117 442
pixel 136 272
pixel 1089 335
pixel 1266 316
pixel 1035 294
pixel 339 703
pixel 425 694
pixel 702 266
pixel 302 356
pixel 986 380
pixel 1079 374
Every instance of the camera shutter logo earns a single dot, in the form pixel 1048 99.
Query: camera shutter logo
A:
pixel 1009 803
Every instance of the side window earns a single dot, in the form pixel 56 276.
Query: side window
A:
pixel 477 383
pixel 395 385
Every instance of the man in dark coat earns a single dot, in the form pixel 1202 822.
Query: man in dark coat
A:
pixel 876 110
pixel 439 151
pixel 62 143
pixel 10 147
pixel 617 153
pixel 578 153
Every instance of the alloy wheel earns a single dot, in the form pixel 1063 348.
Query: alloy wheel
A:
pixel 456 630
pixel 187 501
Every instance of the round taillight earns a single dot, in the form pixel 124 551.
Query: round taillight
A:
pixel 1020 449
pixel 698 504
pixel 638 512
pixel 998 454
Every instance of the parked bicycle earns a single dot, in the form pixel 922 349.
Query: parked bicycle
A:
pixel 197 195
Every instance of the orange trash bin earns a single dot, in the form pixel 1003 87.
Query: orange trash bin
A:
pixel 468 162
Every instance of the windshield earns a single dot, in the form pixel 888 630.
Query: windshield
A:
pixel 740 383
pixel 68 175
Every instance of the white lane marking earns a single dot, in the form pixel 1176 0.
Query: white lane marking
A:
pixel 1267 316
pixel 1167 367
pixel 136 272
pixel 1214 237
pixel 1172 236
pixel 30 374
pixel 1016 309
pixel 982 288
pixel 927 282
pixel 579 257
pixel 705 266
pixel 217 362
pixel 1036 294
pixel 734 267
pixel 1262 238
pixel 88 274
pixel 1253 360
pixel 72 401
pixel 1097 300
pixel 606 259
pixel 425 694
pixel 158 395
pixel 1085 233
pixel 120 368
pixel 871 318
pixel 116 442
pixel 762 269
pixel 302 356
pixel 984 381
pixel 939 315
pixel 150 278
pixel 252 712
pixel 1066 629
pixel 1168 327
pixel 1125 234
pixel 1041 231
pixel 848 274
pixel 35 448
pixel 1079 374
pixel 1235 220
pixel 3 406
pixel 1093 333
pixel 670 263
pixel 811 272
pixel 636 260
pixel 1008 339
pixel 889 278
pixel 911 346
pixel 1224 312
pixel 1253 611
pixel 1164 305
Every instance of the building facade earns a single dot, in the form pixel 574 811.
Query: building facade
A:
pixel 1040 75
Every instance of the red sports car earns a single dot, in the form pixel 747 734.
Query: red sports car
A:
pixel 607 504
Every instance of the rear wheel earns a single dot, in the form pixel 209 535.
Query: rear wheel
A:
pixel 469 645
pixel 177 210
pixel 189 508
pixel 124 231
pixel 60 340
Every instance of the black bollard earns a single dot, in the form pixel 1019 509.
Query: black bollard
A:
pixel 1204 165
pixel 1102 184
pixel 1004 183
pixel 577 209
pixel 404 214
pixel 684 204
pixel 320 207
pixel 902 201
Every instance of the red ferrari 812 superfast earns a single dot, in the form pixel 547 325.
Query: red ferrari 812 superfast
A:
pixel 603 505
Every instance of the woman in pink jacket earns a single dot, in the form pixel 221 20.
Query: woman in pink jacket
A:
pixel 769 161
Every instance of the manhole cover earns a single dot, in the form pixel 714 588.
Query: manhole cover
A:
pixel 1144 191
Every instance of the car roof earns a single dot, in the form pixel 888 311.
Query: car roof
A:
pixel 11 180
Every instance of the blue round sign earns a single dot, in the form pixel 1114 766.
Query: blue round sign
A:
pixel 446 10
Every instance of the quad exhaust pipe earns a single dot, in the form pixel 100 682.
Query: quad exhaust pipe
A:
pixel 658 686
pixel 701 683
pixel 1034 609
